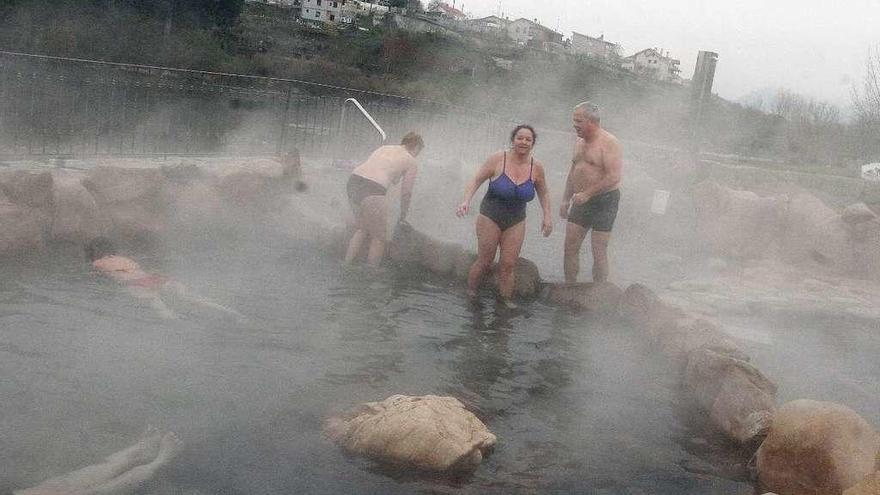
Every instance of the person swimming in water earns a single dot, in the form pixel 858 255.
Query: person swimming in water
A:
pixel 366 189
pixel 514 177
pixel 122 473
pixel 150 287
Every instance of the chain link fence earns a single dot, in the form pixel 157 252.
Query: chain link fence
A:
pixel 63 107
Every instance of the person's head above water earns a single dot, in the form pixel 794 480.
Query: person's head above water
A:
pixel 586 119
pixel 413 143
pixel 523 138
pixel 98 248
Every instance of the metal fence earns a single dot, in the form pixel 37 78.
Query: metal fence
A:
pixel 54 106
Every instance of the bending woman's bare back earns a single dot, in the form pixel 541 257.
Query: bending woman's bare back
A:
pixel 386 165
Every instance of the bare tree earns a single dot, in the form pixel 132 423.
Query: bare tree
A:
pixel 866 99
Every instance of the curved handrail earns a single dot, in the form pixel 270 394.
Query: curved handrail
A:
pixel 366 114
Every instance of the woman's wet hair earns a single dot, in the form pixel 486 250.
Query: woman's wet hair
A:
pixel 521 127
pixel 98 248
pixel 412 141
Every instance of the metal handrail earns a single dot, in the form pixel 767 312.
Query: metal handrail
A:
pixel 365 114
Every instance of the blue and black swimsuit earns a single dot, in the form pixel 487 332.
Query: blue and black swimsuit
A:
pixel 505 201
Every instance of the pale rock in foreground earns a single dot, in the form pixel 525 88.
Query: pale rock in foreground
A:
pixel 816 447
pixel 429 432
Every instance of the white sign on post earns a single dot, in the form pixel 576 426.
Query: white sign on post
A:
pixel 660 202
pixel 871 171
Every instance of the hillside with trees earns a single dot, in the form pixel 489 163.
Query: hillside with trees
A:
pixel 265 40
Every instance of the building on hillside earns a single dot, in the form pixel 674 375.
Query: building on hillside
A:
pixel 526 32
pixel 368 8
pixel 326 11
pixel 492 25
pixel 296 5
pixel 443 10
pixel 582 44
pixel 653 63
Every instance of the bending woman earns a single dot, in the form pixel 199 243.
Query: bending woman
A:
pixel 514 178
pixel 366 189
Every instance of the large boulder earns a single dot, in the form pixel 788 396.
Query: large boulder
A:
pixel 439 256
pixel 857 213
pixel 429 432
pixel 408 245
pixel 29 188
pixel 865 238
pixel 114 185
pixel 196 205
pixel 76 215
pixel 131 198
pixel 462 265
pixel 254 184
pixel 21 228
pixel 737 224
pixel 527 278
pixel 674 331
pixel 870 485
pixel 816 447
pixel 815 232
pixel 740 400
pixel 593 297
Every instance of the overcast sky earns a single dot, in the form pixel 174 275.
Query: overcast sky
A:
pixel 809 46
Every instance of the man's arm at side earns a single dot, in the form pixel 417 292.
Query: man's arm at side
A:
pixel 569 188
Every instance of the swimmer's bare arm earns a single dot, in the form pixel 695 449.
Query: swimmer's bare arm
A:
pixel 544 198
pixel 612 164
pixel 569 187
pixel 406 189
pixel 486 171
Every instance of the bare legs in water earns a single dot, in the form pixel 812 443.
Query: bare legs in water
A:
pixel 121 473
pixel 490 240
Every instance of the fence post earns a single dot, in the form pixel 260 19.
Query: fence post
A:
pixel 282 139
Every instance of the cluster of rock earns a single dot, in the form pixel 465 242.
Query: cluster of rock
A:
pixel 39 206
pixel 792 227
pixel 810 447
pixel 802 447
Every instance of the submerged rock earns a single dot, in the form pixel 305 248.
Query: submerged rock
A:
pixel 592 297
pixel 816 447
pixel 429 432
pixel 28 188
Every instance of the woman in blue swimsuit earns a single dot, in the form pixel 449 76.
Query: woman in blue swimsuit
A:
pixel 514 178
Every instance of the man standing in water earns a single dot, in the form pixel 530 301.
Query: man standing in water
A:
pixel 591 192
pixel 366 189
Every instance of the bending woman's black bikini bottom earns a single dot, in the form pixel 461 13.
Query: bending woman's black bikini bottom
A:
pixel 359 188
